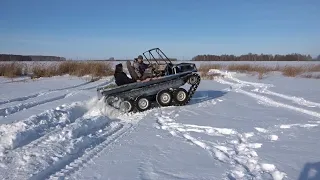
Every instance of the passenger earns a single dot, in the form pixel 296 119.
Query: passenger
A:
pixel 121 78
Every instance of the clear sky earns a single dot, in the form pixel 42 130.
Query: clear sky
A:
pixel 181 28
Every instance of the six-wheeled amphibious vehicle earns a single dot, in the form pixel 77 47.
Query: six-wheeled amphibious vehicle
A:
pixel 165 91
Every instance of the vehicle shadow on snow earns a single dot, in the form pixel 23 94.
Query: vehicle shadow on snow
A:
pixel 310 171
pixel 202 96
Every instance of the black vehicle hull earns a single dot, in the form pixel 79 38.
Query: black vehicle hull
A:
pixel 130 93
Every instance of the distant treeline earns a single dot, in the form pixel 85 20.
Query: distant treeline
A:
pixel 11 57
pixel 253 57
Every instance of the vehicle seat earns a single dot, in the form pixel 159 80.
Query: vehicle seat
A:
pixel 132 73
pixel 169 69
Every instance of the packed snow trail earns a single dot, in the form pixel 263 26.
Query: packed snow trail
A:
pixel 23 98
pixel 297 100
pixel 67 137
pixel 76 87
pixel 50 143
pixel 13 109
pixel 10 112
pixel 20 98
pixel 265 100
pixel 109 136
pixel 264 89
pixel 20 141
pixel 23 132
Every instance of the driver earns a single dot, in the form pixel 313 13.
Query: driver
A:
pixel 143 70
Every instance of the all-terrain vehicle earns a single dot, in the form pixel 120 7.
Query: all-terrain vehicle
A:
pixel 166 90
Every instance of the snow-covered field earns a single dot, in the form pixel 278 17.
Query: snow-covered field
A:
pixel 235 127
pixel 198 63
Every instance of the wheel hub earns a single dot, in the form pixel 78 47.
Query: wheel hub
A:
pixel 181 96
pixel 125 106
pixel 143 103
pixel 110 100
pixel 165 97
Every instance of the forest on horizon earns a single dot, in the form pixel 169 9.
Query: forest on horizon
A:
pixel 255 57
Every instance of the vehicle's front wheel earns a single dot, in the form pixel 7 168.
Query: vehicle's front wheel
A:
pixel 193 79
pixel 180 96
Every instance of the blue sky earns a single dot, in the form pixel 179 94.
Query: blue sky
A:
pixel 181 28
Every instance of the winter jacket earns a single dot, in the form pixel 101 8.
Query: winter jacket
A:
pixel 140 68
pixel 121 78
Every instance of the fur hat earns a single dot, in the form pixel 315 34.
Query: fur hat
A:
pixel 118 67
pixel 139 57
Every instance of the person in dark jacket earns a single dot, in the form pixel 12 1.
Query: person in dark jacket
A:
pixel 121 78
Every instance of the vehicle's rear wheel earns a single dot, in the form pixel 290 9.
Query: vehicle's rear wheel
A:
pixel 109 100
pixel 142 103
pixel 126 106
pixel 180 96
pixel 164 98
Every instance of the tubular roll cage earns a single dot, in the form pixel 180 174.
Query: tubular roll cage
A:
pixel 159 52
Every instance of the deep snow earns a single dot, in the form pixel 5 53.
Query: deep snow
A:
pixel 235 127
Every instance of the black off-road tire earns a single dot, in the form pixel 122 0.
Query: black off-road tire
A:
pixel 142 103
pixel 164 98
pixel 180 96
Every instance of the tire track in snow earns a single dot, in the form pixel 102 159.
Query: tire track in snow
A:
pixel 23 98
pixel 55 153
pixel 263 88
pixel 26 132
pixel 86 146
pixel 127 124
pixel 22 106
pixel 297 100
pixel 71 87
pixel 108 81
pixel 269 101
pixel 270 133
pixel 237 151
pixel 33 130
pixel 107 139
pixel 15 81
pixel 59 142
